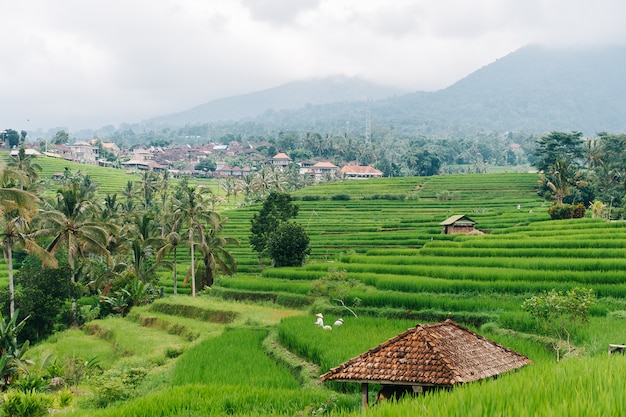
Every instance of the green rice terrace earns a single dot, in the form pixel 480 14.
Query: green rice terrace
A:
pixel 248 346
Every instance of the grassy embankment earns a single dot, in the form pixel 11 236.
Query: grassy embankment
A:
pixel 386 236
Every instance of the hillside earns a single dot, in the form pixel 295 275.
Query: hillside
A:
pixel 533 89
pixel 290 96
pixel 248 346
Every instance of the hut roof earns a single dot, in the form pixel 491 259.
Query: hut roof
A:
pixel 459 218
pixel 431 354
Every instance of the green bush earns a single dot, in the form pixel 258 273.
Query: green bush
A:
pixel 566 211
pixel 116 385
pixel 20 404
pixel 340 197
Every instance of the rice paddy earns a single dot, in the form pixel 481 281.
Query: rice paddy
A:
pixel 387 237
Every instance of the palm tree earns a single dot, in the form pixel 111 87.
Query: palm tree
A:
pixel 561 179
pixel 163 187
pixel 111 208
pixel 190 210
pixel 216 258
pixel 131 194
pixel 24 164
pixel 172 242
pixel 17 209
pixel 263 180
pixel 149 187
pixel 145 242
pixel 71 225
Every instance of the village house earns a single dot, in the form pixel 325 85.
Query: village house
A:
pixel 305 167
pixel 81 152
pixel 142 159
pixel 111 147
pixel 226 171
pixel 323 169
pixel 358 172
pixel 281 160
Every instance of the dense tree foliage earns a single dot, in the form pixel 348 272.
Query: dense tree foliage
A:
pixel 277 208
pixel 288 245
pixel 42 296
pixel 586 171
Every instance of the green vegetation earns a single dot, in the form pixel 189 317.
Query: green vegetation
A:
pixel 247 343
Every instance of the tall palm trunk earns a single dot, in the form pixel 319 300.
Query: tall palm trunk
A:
pixel 193 264
pixel 9 253
pixel 175 277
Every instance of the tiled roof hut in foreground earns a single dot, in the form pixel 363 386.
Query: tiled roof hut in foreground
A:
pixel 428 356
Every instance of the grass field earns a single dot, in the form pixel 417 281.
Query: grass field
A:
pixel 248 346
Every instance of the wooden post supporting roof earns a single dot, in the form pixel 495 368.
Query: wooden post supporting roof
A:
pixel 364 394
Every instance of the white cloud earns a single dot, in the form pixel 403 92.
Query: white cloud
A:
pixel 84 63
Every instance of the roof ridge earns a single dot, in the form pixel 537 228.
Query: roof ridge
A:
pixel 433 345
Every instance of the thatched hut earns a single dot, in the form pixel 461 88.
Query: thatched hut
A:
pixel 426 357
pixel 459 224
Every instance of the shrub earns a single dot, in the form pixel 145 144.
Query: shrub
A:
pixel 340 197
pixel 116 384
pixel 566 211
pixel 20 404
pixel 310 198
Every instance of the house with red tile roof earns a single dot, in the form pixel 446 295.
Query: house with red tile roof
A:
pixel 359 172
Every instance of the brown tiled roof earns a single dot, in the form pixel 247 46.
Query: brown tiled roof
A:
pixel 430 354
pixel 360 170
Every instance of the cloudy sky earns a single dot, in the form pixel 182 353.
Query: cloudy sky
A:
pixel 91 63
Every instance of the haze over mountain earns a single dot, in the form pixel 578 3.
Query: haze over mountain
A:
pixel 290 96
pixel 534 89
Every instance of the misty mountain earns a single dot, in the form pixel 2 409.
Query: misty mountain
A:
pixel 295 95
pixel 534 89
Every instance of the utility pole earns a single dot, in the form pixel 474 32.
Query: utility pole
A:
pixel 368 120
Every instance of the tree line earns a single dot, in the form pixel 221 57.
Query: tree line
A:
pixel 589 172
pixel 103 254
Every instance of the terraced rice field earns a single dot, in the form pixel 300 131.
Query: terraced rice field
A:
pixel 395 249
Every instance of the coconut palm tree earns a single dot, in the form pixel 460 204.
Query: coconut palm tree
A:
pixel 172 241
pixel 143 234
pixel 216 258
pixel 189 209
pixel 24 164
pixel 17 209
pixel 71 225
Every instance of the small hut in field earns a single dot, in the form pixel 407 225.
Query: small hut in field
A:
pixel 459 224
pixel 426 357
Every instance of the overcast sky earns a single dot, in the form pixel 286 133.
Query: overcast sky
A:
pixel 91 63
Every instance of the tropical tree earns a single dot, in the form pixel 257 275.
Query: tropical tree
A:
pixel 288 245
pixel 11 351
pixel 71 225
pixel 216 258
pixel 131 195
pixel 597 208
pixel 143 234
pixel 17 209
pixel 562 178
pixel 111 208
pixel 172 241
pixel 24 164
pixel 190 210
pixel 277 208
pixel 149 188
pixel 164 188
pixel 555 146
